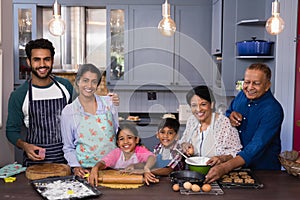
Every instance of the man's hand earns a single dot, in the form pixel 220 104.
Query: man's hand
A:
pixel 215 173
pixel 218 171
pixel 235 118
pixel 32 151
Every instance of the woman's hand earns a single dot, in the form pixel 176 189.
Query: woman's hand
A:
pixel 187 148
pixel 215 160
pixel 115 98
pixel 79 171
pixel 93 178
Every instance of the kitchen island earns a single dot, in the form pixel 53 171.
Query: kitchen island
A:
pixel 278 185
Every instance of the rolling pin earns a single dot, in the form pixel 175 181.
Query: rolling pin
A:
pixel 122 178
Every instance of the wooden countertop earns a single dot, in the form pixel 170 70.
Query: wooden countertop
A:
pixel 278 185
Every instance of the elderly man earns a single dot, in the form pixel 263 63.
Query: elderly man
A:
pixel 258 117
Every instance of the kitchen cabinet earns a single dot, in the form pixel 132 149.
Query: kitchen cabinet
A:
pixel 151 55
pixel 217 13
pixel 24 24
pixel 157 60
pixel 242 20
pixel 193 44
pixel 117 44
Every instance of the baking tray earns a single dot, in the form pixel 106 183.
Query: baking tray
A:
pixel 215 190
pixel 179 177
pixel 257 184
pixel 63 188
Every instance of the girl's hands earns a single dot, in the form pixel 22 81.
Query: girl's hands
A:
pixel 150 178
pixel 93 178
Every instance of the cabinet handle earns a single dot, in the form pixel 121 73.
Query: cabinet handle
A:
pixel 217 50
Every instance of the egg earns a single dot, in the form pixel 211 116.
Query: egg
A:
pixel 206 188
pixel 195 188
pixel 175 187
pixel 187 185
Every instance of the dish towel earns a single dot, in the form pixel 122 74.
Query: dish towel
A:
pixel 11 169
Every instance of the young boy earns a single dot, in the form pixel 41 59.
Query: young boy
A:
pixel 167 158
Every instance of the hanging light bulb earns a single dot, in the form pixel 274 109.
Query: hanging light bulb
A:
pixel 275 24
pixel 166 26
pixel 56 25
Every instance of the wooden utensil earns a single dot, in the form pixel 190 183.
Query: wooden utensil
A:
pixel 113 176
pixel 46 170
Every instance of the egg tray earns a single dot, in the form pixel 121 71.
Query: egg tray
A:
pixel 257 184
pixel 69 185
pixel 179 177
pixel 215 190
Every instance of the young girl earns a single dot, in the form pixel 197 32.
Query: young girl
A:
pixel 167 158
pixel 129 155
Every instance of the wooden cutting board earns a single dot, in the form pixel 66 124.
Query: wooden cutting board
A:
pixel 46 170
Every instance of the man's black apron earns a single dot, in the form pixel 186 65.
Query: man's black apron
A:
pixel 44 127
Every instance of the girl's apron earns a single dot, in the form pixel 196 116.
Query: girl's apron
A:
pixel 122 163
pixel 96 137
pixel 44 127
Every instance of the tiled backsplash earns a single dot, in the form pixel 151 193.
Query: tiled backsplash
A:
pixel 137 101
pixel 166 101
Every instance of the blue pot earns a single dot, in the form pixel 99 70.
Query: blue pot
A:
pixel 254 47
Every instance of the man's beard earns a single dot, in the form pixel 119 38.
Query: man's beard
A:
pixel 34 71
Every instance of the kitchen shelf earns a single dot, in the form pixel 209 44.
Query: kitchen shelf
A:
pixel 252 22
pixel 254 57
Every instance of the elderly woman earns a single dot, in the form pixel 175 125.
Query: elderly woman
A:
pixel 208 133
